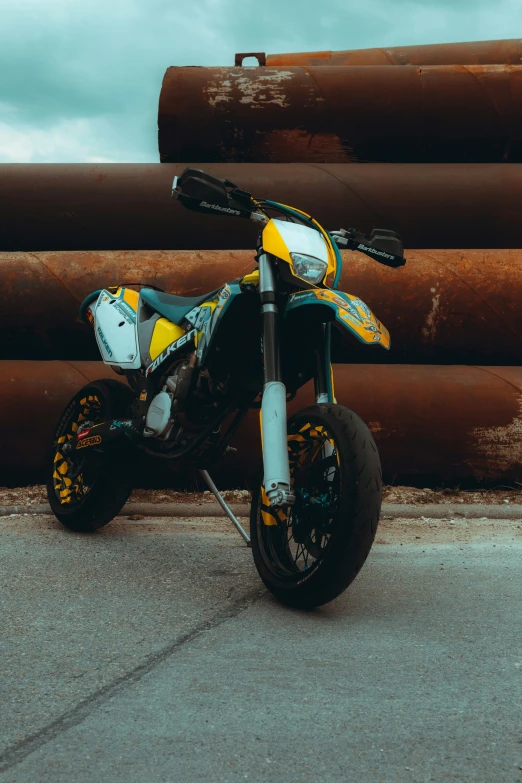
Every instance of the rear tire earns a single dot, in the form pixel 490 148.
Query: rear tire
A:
pixel 307 555
pixel 85 492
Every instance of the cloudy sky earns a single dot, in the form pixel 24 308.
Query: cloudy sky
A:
pixel 80 79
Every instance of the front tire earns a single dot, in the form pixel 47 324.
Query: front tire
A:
pixel 308 554
pixel 87 490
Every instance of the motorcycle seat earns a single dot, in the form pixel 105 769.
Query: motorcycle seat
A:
pixel 175 308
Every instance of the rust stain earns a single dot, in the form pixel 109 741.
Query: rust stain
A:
pixel 240 87
pixel 430 329
pixel 500 446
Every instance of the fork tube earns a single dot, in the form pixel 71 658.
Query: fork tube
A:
pixel 328 361
pixel 323 367
pixel 273 405
pixel 269 310
pixel 320 379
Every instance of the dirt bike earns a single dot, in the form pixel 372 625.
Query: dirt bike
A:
pixel 195 366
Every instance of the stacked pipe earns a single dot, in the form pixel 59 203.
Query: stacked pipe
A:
pixel 445 306
pixel 339 114
pixel 432 424
pixel 508 52
pixel 294 132
pixel 454 424
pixel 129 206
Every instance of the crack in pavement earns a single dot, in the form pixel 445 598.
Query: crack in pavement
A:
pixel 71 718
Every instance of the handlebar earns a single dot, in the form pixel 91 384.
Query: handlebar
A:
pixel 205 193
pixel 382 245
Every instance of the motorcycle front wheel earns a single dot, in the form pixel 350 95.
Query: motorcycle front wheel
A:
pixel 308 553
pixel 87 488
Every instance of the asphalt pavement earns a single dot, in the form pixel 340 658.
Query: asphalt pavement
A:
pixel 150 652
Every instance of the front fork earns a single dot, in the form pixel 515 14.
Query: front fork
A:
pixel 323 381
pixel 273 406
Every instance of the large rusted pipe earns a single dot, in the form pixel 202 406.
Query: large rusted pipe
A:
pixel 129 207
pixel 293 114
pixel 42 292
pixel 432 424
pixel 504 52
pixel 33 396
pixel 445 306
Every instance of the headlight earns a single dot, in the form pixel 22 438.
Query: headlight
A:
pixel 308 268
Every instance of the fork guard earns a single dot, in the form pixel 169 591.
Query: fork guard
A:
pixel 350 313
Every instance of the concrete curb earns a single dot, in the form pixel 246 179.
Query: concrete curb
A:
pixel 452 511
pixel 389 510
pixel 147 509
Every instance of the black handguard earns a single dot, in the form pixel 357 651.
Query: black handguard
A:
pixel 382 245
pixel 205 193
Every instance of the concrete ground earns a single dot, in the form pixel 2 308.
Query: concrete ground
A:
pixel 150 653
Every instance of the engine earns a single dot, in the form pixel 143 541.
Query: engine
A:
pixel 170 401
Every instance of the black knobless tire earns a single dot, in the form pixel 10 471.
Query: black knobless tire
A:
pixel 308 554
pixel 87 489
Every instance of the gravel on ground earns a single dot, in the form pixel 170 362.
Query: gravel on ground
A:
pixel 34 495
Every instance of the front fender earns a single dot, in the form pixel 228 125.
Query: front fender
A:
pixel 350 313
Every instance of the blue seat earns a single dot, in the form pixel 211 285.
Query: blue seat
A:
pixel 175 308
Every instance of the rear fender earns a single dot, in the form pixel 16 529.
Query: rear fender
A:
pixel 350 314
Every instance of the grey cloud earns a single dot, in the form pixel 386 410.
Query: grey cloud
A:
pixel 64 60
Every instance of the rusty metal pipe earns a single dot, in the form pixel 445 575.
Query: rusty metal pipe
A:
pixel 445 306
pixel 42 292
pixel 503 52
pixel 293 114
pixel 33 396
pixel 129 207
pixel 432 424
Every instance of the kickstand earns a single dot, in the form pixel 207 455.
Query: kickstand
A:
pixel 210 484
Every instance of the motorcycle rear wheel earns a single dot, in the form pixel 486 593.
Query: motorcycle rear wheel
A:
pixel 308 554
pixel 87 489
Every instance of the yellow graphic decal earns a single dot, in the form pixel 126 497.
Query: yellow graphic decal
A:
pixel 71 487
pixel 307 444
pixel 274 243
pixel 332 383
pixel 131 297
pixel 271 515
pixel 251 279
pixel 164 334
pixel 359 317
